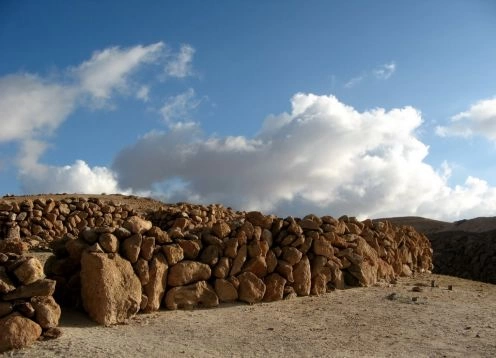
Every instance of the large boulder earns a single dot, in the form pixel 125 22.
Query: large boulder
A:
pixel 137 225
pixel 29 271
pixel 47 311
pixel 155 288
pixel 44 287
pixel 225 290
pixel 274 287
pixel 186 272
pixel 17 332
pixel 302 277
pixel 251 288
pixel 110 290
pixel 191 296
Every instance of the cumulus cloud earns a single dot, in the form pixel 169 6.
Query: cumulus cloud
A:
pixel 322 157
pixel 76 178
pixel 108 70
pixel 385 71
pixel 479 119
pixel 30 106
pixel 180 65
pixel 179 108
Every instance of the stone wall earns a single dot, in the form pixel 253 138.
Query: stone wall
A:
pixel 27 308
pixel 115 263
pixel 37 223
pixel 188 255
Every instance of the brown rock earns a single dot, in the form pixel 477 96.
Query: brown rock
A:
pixel 258 248
pixel 239 260
pixel 221 270
pixel 285 269
pixel 289 293
pixel 231 248
pixel 256 218
pixel 131 247
pixel 271 261
pixel 42 287
pixel 89 235
pixel 320 280
pixel 25 308
pixel 274 287
pixel 147 247
pixel 291 255
pixel 191 248
pixel 75 248
pixel 257 266
pixel 109 242
pixel 30 271
pixel 142 270
pixel 47 311
pixel 210 255
pixel 186 272
pixel 155 288
pixel 307 224
pixel 17 332
pixel 233 280
pixel 191 296
pixel 174 253
pixel 221 229
pixel 161 237
pixel 6 284
pixel 181 224
pixel 137 225
pixel 52 333
pixel 13 245
pixel 251 288
pixel 302 277
pixel 225 290
pixel 110 290
pixel 323 247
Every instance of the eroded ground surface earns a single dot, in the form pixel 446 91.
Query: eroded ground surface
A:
pixel 380 321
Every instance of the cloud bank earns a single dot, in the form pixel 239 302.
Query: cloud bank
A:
pixel 321 157
pixel 32 108
pixel 479 119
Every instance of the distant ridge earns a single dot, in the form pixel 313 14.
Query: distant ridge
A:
pixel 429 226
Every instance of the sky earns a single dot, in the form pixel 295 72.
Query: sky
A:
pixel 371 109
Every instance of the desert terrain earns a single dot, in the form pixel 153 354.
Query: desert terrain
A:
pixel 408 318
pixel 379 321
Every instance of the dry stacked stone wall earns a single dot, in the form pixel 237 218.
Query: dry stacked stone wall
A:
pixel 27 309
pixel 115 263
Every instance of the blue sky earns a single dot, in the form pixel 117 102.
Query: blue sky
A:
pixel 270 105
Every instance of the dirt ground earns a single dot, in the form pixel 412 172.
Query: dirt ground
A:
pixel 380 321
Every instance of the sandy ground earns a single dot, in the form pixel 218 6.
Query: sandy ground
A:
pixel 360 322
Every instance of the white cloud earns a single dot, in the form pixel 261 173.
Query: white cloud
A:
pixel 322 157
pixel 479 119
pixel 180 64
pixel 178 109
pixel 30 106
pixel 382 72
pixel 108 70
pixel 385 71
pixel 354 81
pixel 75 178
pixel 143 93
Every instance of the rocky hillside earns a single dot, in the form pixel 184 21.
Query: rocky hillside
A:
pixel 465 248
